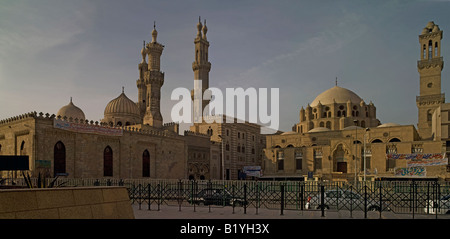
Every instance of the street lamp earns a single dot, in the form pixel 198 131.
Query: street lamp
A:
pixel 356 144
pixel 365 134
pixel 223 158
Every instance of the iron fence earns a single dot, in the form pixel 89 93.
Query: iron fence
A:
pixel 415 197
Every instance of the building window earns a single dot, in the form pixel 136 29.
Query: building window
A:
pixel 436 49
pixel 298 160
pixel 146 164
pixel 59 158
pixel 430 49
pixel 107 162
pixel 280 160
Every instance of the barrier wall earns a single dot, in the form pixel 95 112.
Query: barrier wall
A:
pixel 66 203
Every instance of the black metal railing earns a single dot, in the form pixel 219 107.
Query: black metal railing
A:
pixel 400 197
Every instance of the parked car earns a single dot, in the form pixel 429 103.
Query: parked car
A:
pixel 221 197
pixel 344 199
pixel 441 206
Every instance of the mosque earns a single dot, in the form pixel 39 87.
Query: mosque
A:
pixel 131 141
pixel 339 138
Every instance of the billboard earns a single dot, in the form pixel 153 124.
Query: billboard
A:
pixel 252 171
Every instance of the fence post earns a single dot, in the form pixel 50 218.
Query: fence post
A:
pixel 179 194
pixel 365 200
pixel 149 195
pixel 192 193
pixel 322 199
pixel 282 198
pixel 245 198
pixel 381 199
pixel 139 196
pixel 159 195
pixel 302 199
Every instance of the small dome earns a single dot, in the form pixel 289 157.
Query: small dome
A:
pixel 388 125
pixel 353 127
pixel 122 105
pixel 336 94
pixel 290 132
pixel 71 110
pixel 319 129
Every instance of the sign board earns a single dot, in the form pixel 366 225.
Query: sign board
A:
pixel 252 171
pixel 10 162
pixel 410 172
pixel 421 160
pixel 86 128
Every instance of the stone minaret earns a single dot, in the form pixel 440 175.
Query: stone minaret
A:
pixel 150 81
pixel 201 66
pixel 429 66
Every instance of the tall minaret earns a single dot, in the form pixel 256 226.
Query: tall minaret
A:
pixel 142 87
pixel 430 67
pixel 150 81
pixel 201 66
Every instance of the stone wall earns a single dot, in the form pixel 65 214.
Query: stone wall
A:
pixel 66 203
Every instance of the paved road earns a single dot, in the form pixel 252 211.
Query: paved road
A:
pixel 173 212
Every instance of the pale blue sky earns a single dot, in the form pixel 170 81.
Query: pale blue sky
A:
pixel 51 50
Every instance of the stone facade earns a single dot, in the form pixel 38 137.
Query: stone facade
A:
pixel 84 153
pixel 338 131
pixel 242 145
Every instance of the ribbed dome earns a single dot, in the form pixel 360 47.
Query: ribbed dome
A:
pixel 71 110
pixel 122 105
pixel 338 94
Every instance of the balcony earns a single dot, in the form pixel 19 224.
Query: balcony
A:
pixel 437 98
pixel 433 62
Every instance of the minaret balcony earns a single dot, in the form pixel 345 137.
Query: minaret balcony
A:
pixel 433 62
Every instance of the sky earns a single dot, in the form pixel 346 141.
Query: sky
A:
pixel 51 50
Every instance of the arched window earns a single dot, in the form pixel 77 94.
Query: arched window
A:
pixel 227 146
pixel 363 123
pixel 376 141
pixel 430 49
pixel 119 123
pixel 322 124
pixel 395 140
pixel 424 52
pixel 243 149
pixel 146 164
pixel 107 162
pixel 339 114
pixel 436 49
pixel 429 115
pixel 59 158
pixel 328 125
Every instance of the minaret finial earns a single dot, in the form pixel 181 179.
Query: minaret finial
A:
pixel 123 89
pixel 199 20
pixel 154 25
pixel 71 99
pixel 336 81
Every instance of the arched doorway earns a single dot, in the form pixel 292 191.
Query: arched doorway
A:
pixel 339 161
pixel 146 164
pixel 59 158
pixel 108 162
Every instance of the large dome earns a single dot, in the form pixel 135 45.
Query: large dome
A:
pixel 122 105
pixel 71 111
pixel 338 94
pixel 121 111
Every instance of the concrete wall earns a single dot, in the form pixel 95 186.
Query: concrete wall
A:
pixel 66 203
